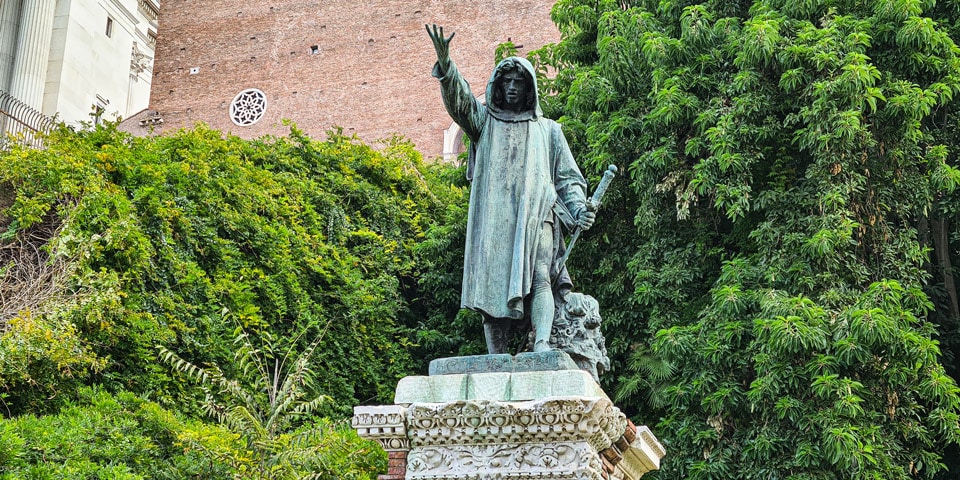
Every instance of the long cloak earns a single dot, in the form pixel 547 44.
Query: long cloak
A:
pixel 521 169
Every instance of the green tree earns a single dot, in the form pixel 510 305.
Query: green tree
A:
pixel 175 240
pixel 770 297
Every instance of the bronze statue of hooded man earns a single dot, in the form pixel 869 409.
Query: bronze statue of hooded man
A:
pixel 525 183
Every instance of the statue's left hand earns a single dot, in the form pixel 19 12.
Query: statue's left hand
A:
pixel 586 218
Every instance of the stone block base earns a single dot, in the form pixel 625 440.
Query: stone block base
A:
pixel 568 431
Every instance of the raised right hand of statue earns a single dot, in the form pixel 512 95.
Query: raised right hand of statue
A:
pixel 441 45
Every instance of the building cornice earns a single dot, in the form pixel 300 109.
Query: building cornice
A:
pixel 149 9
pixel 149 44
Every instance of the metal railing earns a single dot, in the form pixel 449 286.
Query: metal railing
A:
pixel 19 122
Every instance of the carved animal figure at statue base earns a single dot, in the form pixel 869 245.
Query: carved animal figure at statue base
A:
pixel 576 331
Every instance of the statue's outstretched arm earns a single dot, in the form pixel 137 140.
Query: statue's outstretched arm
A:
pixel 460 103
pixel 442 45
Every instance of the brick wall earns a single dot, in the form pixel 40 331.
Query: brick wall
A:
pixel 370 73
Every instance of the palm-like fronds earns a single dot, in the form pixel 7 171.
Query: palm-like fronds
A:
pixel 267 408
pixel 648 373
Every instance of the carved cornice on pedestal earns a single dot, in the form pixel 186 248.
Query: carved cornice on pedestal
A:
pixel 385 424
pixel 643 456
pixel 560 419
pixel 515 425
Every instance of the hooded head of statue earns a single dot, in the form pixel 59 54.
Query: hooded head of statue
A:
pixel 513 90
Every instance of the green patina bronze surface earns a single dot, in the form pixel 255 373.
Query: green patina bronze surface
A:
pixel 525 183
pixel 503 363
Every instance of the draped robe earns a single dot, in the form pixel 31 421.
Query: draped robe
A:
pixel 521 170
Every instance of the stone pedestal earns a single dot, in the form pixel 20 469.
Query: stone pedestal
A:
pixel 515 423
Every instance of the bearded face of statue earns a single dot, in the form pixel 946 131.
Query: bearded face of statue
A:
pixel 514 90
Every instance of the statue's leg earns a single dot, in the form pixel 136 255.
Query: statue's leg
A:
pixel 497 333
pixel 542 308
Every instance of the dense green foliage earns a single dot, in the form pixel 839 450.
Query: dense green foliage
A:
pixel 768 264
pixel 774 265
pixel 114 249
pixel 121 436
pixel 101 436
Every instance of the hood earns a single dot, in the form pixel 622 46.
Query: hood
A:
pixel 506 115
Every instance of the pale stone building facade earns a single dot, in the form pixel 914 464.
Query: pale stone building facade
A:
pixel 70 58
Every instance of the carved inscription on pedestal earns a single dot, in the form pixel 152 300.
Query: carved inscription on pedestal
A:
pixel 524 362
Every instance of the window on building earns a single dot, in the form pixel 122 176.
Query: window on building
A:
pixel 248 107
pixel 109 27
pixel 99 107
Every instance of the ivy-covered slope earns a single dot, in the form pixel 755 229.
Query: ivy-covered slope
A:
pixel 112 245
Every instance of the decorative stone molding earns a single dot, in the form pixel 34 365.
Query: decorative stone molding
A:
pixel 593 420
pixel 506 425
pixel 566 460
pixel 384 424
pixel 642 456
pixel 148 10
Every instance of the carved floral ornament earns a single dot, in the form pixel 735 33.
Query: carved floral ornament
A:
pixel 139 60
pixel 516 462
pixel 248 107
pixel 384 424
